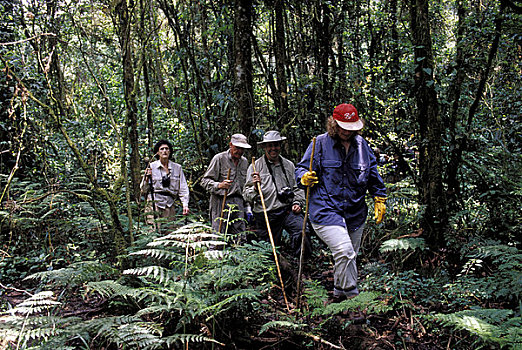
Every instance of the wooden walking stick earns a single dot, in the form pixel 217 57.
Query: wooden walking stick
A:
pixel 303 233
pixel 270 235
pixel 223 204
pixel 151 189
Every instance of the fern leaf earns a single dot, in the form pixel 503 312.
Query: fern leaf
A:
pixel 491 325
pixel 159 273
pixel 247 294
pixel 393 245
pixel 108 288
pixel 281 324
pixel 189 338
pixel 360 301
pixel 160 254
pixel 37 303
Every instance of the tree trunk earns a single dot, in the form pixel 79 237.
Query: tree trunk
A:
pixel 124 30
pixel 243 89
pixel 429 122
pixel 280 61
pixel 454 95
pixel 146 78
pixel 323 36
pixel 341 92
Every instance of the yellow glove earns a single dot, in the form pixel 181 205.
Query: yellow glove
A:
pixel 309 178
pixel 380 209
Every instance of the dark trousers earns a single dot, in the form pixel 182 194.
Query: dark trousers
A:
pixel 283 219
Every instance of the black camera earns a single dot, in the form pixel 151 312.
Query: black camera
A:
pixel 165 180
pixel 285 195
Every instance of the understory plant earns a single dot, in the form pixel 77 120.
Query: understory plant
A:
pixel 180 284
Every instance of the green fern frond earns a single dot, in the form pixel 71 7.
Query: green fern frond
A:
pixel 192 229
pixel 159 273
pixel 215 254
pixel 157 309
pixel 506 280
pixel 393 245
pixel 171 294
pixel 108 288
pixel 498 250
pixel 76 273
pixel 160 254
pixel 215 309
pixel 282 324
pixel 166 243
pixel 491 325
pixel 37 328
pixel 103 326
pixel 193 236
pixel 360 301
pixel 189 338
pixel 40 333
pixel 315 294
pixel 14 321
pixel 37 303
pixel 135 335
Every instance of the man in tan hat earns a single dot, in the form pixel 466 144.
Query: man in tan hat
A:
pixel 283 199
pixel 344 169
pixel 218 182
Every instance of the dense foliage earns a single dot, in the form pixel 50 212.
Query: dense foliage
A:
pixel 87 87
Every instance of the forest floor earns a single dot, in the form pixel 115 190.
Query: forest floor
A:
pixel 349 329
pixel 354 329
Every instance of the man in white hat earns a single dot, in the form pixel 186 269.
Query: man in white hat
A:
pixel 217 182
pixel 283 199
pixel 344 169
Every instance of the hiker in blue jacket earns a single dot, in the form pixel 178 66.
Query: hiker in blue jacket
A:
pixel 344 170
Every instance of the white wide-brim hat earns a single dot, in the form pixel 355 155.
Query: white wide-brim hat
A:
pixel 271 136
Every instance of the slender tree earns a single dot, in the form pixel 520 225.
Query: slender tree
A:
pixel 123 26
pixel 430 127
pixel 243 88
pixel 281 97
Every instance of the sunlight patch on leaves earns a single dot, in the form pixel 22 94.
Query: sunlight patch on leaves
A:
pixel 393 245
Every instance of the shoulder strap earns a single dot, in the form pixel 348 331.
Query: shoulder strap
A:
pixel 271 171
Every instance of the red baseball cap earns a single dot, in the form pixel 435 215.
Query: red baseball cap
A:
pixel 347 117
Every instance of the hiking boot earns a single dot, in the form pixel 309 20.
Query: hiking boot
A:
pixel 340 295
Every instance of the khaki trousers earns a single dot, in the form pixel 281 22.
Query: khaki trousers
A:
pixel 344 247
pixel 167 214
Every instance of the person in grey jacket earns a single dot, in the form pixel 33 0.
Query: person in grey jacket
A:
pixel 215 182
pixel 284 201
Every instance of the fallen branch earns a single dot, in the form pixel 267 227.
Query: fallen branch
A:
pixel 318 339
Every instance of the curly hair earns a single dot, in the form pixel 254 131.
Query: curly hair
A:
pixel 161 143
pixel 331 127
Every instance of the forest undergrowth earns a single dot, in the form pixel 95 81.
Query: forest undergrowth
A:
pixel 187 287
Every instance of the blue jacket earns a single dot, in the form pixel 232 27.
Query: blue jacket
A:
pixel 344 179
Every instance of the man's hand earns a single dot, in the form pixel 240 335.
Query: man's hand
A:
pixel 380 209
pixel 309 179
pixel 256 178
pixel 225 184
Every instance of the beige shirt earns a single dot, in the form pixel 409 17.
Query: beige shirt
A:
pixel 283 178
pixel 217 172
pixel 178 185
